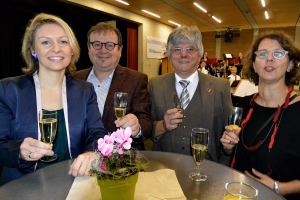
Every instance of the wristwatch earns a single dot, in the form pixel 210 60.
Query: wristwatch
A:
pixel 276 186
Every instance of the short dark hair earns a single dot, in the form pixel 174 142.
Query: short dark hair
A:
pixel 103 27
pixel 287 43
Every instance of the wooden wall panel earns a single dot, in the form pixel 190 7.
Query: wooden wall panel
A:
pixel 209 43
pixel 239 44
pixel 288 30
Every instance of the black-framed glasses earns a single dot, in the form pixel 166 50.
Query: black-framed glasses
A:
pixel 108 45
pixel 278 54
pixel 189 50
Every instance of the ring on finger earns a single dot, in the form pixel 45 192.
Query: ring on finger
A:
pixel 29 154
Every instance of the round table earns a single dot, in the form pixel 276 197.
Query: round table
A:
pixel 53 182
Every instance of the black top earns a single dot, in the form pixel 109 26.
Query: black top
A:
pixel 284 157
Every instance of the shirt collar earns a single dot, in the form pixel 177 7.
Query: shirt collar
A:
pixel 93 76
pixel 194 78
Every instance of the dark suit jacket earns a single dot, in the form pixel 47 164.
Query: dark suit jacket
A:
pixel 18 120
pixel 214 103
pixel 135 84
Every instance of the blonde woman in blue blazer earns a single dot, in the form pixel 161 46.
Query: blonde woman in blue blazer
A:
pixel 50 50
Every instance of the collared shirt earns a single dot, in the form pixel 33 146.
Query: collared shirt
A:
pixel 194 80
pixel 101 89
pixel 233 78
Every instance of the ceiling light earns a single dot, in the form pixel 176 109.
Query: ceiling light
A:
pixel 216 19
pixel 267 16
pixel 200 7
pixel 174 23
pixel 263 3
pixel 123 2
pixel 150 13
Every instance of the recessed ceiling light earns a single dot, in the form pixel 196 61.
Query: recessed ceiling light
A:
pixel 174 23
pixel 216 19
pixel 123 2
pixel 200 7
pixel 267 16
pixel 263 3
pixel 151 13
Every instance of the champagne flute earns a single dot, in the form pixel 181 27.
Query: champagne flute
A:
pixel 235 117
pixel 199 143
pixel 177 104
pixel 120 104
pixel 48 128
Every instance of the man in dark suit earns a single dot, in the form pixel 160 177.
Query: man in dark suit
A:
pixel 205 99
pixel 107 76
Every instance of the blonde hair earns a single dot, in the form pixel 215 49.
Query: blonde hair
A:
pixel 233 68
pixel 28 42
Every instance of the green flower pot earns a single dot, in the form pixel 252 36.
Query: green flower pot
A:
pixel 118 189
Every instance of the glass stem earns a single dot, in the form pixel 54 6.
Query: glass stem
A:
pixel 198 168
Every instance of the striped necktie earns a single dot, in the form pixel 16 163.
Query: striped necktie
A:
pixel 184 97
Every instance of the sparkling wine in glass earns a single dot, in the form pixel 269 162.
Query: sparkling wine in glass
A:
pixel 199 143
pixel 48 128
pixel 120 104
pixel 177 104
pixel 235 117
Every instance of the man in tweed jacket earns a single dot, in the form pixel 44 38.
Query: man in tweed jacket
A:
pixel 108 77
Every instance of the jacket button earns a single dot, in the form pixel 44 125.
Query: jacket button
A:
pixel 183 126
pixel 184 117
pixel 183 148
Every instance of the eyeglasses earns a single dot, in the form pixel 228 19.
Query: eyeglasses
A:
pixel 108 45
pixel 188 50
pixel 278 54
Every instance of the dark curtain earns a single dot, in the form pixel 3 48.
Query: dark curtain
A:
pixel 15 15
pixel 132 46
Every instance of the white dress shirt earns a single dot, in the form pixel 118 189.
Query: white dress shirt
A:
pixel 233 78
pixel 101 89
pixel 194 80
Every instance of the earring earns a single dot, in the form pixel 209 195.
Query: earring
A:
pixel 34 55
pixel 72 54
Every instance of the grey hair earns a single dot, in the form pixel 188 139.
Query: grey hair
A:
pixel 190 33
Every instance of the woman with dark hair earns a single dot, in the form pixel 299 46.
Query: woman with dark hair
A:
pixel 266 147
pixel 50 51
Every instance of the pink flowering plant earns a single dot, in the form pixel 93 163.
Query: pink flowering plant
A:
pixel 115 159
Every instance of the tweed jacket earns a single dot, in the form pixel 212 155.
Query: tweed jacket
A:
pixel 18 120
pixel 135 84
pixel 210 112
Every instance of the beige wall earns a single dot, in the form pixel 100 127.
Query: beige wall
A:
pixel 147 27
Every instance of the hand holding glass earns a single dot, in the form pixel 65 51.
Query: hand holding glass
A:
pixel 120 104
pixel 235 117
pixel 177 104
pixel 48 128
pixel 239 190
pixel 199 143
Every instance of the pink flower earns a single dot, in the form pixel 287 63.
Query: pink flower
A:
pixel 123 137
pixel 103 166
pixel 106 146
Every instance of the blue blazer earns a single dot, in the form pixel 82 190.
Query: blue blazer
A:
pixel 18 120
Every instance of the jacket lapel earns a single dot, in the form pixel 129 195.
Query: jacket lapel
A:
pixel 169 89
pixel 206 89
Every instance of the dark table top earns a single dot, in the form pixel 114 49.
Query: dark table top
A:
pixel 53 182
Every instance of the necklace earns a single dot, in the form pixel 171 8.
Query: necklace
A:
pixel 275 123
